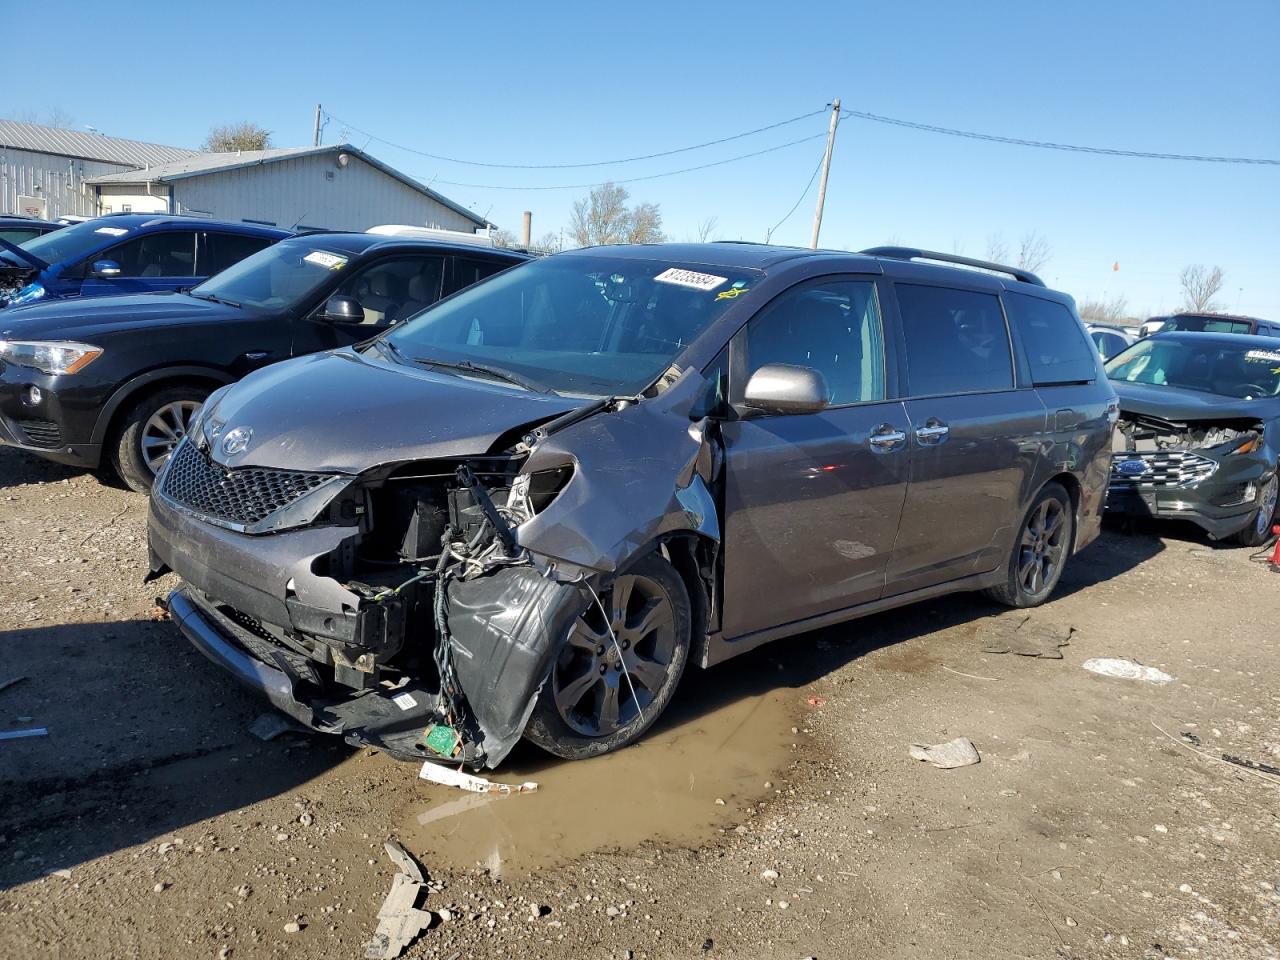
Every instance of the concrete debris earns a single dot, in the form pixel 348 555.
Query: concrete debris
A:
pixel 268 726
pixel 449 777
pixel 959 752
pixel 1125 670
pixel 1025 635
pixel 401 917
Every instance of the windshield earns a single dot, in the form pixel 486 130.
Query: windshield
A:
pixel 71 243
pixel 581 325
pixel 275 278
pixel 1211 367
pixel 1207 325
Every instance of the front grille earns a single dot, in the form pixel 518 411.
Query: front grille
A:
pixel 245 496
pixel 41 433
pixel 1168 468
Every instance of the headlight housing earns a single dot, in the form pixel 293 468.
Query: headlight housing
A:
pixel 54 357
pixel 28 294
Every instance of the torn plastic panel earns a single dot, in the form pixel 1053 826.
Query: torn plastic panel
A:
pixel 437 593
pixel 1144 434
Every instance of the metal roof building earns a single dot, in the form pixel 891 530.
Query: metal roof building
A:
pixel 51 172
pixel 337 187
pixel 43 170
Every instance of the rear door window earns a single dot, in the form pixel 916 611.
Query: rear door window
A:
pixel 956 341
pixel 1056 347
pixel 223 250
pixel 467 271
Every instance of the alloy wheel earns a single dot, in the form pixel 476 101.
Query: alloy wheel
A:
pixel 617 659
pixel 163 430
pixel 1043 547
pixel 1267 505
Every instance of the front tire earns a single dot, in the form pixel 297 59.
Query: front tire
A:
pixel 607 688
pixel 1258 531
pixel 151 430
pixel 1040 552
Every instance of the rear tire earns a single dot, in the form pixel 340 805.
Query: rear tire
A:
pixel 1258 531
pixel 149 432
pixel 1040 551
pixel 600 696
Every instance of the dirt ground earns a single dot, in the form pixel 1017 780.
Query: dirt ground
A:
pixel 775 814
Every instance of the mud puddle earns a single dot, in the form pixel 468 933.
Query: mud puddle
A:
pixel 663 788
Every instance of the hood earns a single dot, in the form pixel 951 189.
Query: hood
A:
pixel 73 316
pixel 341 412
pixel 1179 404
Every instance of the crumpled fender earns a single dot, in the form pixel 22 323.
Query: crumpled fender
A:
pixel 639 472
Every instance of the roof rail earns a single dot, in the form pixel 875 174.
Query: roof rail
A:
pixel 911 253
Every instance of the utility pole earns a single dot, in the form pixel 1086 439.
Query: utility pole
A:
pixel 826 168
pixel 526 234
pixel 315 137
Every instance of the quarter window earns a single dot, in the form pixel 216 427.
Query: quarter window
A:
pixel 956 341
pixel 466 272
pixel 1055 344
pixel 223 250
pixel 832 326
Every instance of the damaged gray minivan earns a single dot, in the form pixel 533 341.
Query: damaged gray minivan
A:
pixel 525 510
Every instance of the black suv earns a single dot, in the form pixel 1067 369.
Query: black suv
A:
pixel 118 378
pixel 523 511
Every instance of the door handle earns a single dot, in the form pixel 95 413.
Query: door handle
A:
pixel 886 438
pixel 933 432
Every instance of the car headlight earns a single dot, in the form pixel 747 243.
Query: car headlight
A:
pixel 49 356
pixel 28 294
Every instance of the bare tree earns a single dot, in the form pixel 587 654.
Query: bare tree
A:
pixel 547 244
pixel 604 217
pixel 503 237
pixel 60 117
pixel 230 137
pixel 705 231
pixel 1111 311
pixel 997 249
pixel 1033 251
pixel 1199 286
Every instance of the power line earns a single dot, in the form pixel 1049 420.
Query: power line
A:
pixel 574 166
pixel 652 176
pixel 800 199
pixel 1049 145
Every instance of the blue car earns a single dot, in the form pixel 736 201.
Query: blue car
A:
pixel 129 253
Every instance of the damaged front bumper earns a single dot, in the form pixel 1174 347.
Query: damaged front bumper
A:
pixel 1222 503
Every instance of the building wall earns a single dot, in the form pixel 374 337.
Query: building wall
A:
pixel 312 192
pixel 113 198
pixel 58 180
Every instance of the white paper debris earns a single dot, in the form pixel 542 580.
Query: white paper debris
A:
pixel 404 701
pixel 959 752
pixel 1125 670
pixel 400 919
pixel 449 777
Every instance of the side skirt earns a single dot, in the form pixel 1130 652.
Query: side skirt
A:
pixel 718 649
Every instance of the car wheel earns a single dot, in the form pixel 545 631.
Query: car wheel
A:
pixel 607 687
pixel 1258 531
pixel 150 432
pixel 1040 552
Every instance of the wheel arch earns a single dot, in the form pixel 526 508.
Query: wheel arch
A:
pixel 1071 483
pixel 147 383
pixel 694 555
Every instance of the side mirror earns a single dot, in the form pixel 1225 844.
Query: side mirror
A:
pixel 105 269
pixel 783 388
pixel 341 309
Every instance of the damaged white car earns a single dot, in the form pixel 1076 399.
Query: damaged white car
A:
pixel 524 511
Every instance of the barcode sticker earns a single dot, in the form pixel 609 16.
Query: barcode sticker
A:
pixel 690 278
pixel 404 701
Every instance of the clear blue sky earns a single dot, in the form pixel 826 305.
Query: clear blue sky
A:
pixel 576 82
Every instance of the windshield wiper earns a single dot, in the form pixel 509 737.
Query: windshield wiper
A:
pixel 215 299
pixel 496 372
pixel 390 348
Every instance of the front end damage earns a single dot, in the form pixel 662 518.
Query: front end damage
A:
pixel 1210 472
pixel 418 607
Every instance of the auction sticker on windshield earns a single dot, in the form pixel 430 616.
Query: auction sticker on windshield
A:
pixel 1263 356
pixel 330 261
pixel 112 231
pixel 690 278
